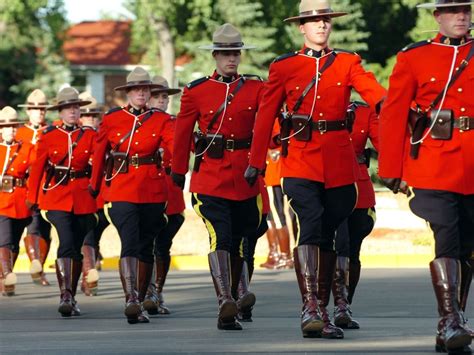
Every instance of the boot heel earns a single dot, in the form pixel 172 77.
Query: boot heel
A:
pixel 311 334
pixel 247 302
pixel 228 311
pixel 9 284
pixel 35 270
pixel 92 280
pixel 65 309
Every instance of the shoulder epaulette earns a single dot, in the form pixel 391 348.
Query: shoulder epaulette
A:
pixel 112 110
pixel 416 45
pixel 252 76
pixel 50 128
pixel 285 56
pixel 339 50
pixel 197 82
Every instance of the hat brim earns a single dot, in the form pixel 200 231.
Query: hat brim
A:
pixel 430 5
pixel 169 91
pixel 68 103
pixel 213 47
pixel 45 106
pixel 128 86
pixel 11 124
pixel 302 17
pixel 91 112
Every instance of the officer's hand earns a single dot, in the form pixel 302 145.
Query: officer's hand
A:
pixel 251 175
pixel 179 180
pixel 92 192
pixel 393 184
pixel 31 206
pixel 404 188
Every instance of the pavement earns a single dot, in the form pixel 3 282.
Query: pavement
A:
pixel 396 309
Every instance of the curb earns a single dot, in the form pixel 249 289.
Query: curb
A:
pixel 199 262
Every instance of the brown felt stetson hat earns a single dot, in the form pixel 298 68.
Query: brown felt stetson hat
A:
pixel 67 96
pixel 93 108
pixel 137 77
pixel 227 38
pixel 9 117
pixel 444 3
pixel 315 8
pixel 163 86
pixel 37 99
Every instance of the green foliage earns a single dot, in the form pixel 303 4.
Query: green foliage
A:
pixel 30 48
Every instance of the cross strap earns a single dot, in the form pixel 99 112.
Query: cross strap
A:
pixel 15 155
pixel 139 124
pixel 227 100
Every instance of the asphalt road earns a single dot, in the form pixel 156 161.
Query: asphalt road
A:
pixel 396 309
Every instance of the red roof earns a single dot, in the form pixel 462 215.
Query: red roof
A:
pixel 99 43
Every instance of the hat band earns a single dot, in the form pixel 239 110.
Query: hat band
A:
pixel 139 83
pixel 316 12
pixel 228 45
pixel 37 103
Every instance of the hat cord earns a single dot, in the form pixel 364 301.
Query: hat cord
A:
pixel 435 119
pixel 128 151
pixel 4 168
pixel 220 124
pixel 314 103
pixel 69 155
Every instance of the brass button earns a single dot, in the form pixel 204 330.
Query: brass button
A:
pixel 433 79
pixel 459 89
pixel 463 109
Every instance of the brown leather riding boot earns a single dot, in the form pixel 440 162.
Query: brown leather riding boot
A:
pixel 306 267
pixel 342 310
pixel 240 289
pixel 8 279
pixel 98 259
pixel 354 277
pixel 445 276
pixel 90 275
pixel 162 268
pixel 37 250
pixel 285 261
pixel 145 272
pixel 327 266
pixel 466 279
pixel 76 275
pixel 128 267
pixel 64 275
pixel 273 255
pixel 219 264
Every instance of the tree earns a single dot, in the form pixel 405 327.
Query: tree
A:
pixel 30 48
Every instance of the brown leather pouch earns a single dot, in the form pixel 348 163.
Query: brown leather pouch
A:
pixel 443 128
pixel 120 162
pixel 302 127
pixel 7 184
pixel 61 174
pixel 216 146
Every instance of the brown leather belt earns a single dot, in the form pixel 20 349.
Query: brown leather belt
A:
pixel 464 123
pixel 237 144
pixel 9 182
pixel 137 161
pixel 77 174
pixel 323 126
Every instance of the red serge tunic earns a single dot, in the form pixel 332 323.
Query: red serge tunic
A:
pixel 176 202
pixel 53 146
pixel 366 126
pixel 142 184
pixel 328 157
pixel 201 99
pixel 15 160
pixel 442 164
pixel 29 134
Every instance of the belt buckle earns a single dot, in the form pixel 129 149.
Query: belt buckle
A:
pixel 464 123
pixel 134 161
pixel 230 145
pixel 72 174
pixel 322 126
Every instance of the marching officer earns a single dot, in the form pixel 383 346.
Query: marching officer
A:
pixel 224 106
pixel 154 302
pixel 90 118
pixel 316 84
pixel 38 233
pixel 135 187
pixel 58 184
pixel 359 224
pixel 15 159
pixel 437 161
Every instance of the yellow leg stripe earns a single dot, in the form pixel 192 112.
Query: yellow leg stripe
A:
pixel 372 214
pixel 297 222
pixel 107 206
pixel 260 208
pixel 412 194
pixel 357 196
pixel 241 248
pixel 210 228
pixel 43 214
